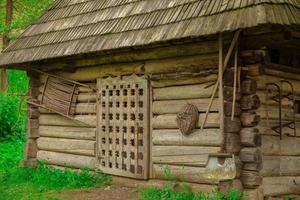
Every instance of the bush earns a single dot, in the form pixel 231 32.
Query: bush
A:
pixel 12 123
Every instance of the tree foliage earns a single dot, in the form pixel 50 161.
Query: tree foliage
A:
pixel 25 12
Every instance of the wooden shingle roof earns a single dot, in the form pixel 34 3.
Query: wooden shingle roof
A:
pixel 75 27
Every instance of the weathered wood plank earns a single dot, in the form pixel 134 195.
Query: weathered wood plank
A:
pixel 168 121
pixel 277 186
pixel 186 160
pixel 184 80
pixel 272 145
pixel 57 120
pixel 175 50
pixel 78 147
pixel 193 63
pixel 263 80
pixel 181 173
pixel 175 106
pixel 68 132
pixel 281 166
pixel 205 137
pixel 272 113
pixel 184 92
pixel 68 160
pixel 264 128
pixel 182 150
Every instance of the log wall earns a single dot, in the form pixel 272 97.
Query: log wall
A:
pixel 281 168
pixel 175 80
pixel 185 156
pixel 281 157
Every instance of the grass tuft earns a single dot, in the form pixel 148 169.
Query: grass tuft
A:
pixel 168 193
pixel 28 183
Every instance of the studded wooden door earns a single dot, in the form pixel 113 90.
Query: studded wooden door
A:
pixel 123 126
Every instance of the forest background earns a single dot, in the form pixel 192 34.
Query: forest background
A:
pixel 15 16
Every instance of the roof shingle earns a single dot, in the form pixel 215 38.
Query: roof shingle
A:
pixel 72 27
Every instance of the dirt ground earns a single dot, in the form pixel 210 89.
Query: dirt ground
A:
pixel 110 193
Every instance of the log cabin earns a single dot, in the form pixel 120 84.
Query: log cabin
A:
pixel 207 90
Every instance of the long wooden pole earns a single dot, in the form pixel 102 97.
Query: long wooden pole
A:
pixel 8 20
pixel 221 98
pixel 232 45
pixel 235 81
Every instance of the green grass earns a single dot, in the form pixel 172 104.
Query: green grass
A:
pixel 168 193
pixel 34 184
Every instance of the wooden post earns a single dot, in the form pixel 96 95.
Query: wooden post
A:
pixel 235 81
pixel 232 45
pixel 8 20
pixel 250 154
pixel 221 98
pixel 32 123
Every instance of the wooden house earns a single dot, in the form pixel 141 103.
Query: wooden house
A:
pixel 206 89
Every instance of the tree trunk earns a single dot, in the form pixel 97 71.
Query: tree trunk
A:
pixel 8 20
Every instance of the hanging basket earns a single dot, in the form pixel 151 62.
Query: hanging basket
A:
pixel 187 119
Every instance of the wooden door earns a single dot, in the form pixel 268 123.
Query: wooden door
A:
pixel 123 126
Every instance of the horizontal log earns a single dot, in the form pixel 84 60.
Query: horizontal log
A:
pixel 68 132
pixel 194 63
pixel 168 121
pixel 232 126
pixel 281 166
pixel 68 160
pixel 226 186
pixel 279 186
pixel 272 113
pixel 251 194
pixel 80 109
pixel 186 160
pixel 81 89
pixel 205 137
pixel 86 97
pixel 203 47
pixel 265 128
pixel 183 80
pixel 176 106
pixel 251 155
pixel 263 99
pixel 228 109
pixel 250 102
pixel 32 126
pixel 255 69
pixel 181 173
pixel 82 98
pixel 158 151
pixel 33 113
pixel 184 92
pixel 250 137
pixel 253 166
pixel 233 143
pixel 250 119
pixel 288 146
pixel 263 80
pixel 30 149
pixel 58 120
pixel 251 179
pixel 281 73
pixel 78 147
pixel 228 94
